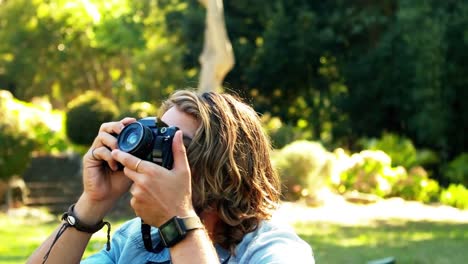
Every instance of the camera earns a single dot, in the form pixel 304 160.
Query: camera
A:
pixel 149 139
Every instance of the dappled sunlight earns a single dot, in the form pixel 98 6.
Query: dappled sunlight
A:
pixel 405 241
pixel 92 10
pixel 40 110
pixel 336 209
pixel 393 234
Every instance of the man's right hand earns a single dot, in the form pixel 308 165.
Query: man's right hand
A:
pixel 103 182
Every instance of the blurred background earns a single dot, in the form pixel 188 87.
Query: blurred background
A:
pixel 362 99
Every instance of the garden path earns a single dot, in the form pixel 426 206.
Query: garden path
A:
pixel 335 209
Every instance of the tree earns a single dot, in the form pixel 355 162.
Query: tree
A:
pixel 63 48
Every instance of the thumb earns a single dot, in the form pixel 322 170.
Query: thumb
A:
pixel 179 152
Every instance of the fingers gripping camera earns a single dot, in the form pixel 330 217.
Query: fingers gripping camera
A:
pixel 149 139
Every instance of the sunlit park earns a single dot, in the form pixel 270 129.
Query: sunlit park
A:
pixel 364 102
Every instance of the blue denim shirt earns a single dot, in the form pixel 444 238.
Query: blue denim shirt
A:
pixel 269 243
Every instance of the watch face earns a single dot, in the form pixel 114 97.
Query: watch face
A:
pixel 170 231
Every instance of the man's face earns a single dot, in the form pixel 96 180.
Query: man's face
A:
pixel 185 122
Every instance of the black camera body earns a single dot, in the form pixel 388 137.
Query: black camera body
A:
pixel 149 139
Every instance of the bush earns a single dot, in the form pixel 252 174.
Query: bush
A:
pixel 38 121
pixel 401 150
pixel 140 110
pixel 280 133
pixel 49 141
pixel 455 195
pixel 303 167
pixel 15 145
pixel 416 185
pixel 26 128
pixel 15 151
pixel 457 170
pixel 368 172
pixel 45 126
pixel 371 172
pixel 85 115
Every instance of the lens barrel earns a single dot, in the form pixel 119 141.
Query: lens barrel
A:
pixel 136 139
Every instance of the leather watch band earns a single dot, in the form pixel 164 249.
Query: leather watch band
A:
pixel 191 222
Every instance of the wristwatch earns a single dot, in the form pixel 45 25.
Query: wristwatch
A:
pixel 176 229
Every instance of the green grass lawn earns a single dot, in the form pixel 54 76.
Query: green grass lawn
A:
pixel 19 237
pixel 408 242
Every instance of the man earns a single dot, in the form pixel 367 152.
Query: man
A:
pixel 222 181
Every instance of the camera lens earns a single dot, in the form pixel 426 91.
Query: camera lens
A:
pixel 132 138
pixel 136 139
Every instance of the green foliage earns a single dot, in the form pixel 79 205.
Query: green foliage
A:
pixel 45 126
pixel 457 170
pixel 27 128
pixel 331 71
pixel 427 157
pixel 280 133
pixel 48 140
pixel 455 195
pixel 370 171
pixel 338 69
pixel 85 115
pixel 401 150
pixel 15 147
pixel 303 168
pixel 61 48
pixel 416 185
pixel 140 110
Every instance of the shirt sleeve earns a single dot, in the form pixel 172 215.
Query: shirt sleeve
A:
pixel 278 246
pixel 118 241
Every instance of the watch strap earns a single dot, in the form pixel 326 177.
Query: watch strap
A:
pixel 191 222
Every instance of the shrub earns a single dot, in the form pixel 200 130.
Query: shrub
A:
pixel 280 133
pixel 303 168
pixel 455 195
pixel 140 110
pixel 416 185
pixel 369 172
pixel 45 127
pixel 85 115
pixel 15 151
pixel 400 149
pixel 15 145
pixel 457 170
pixel 49 141
pixel 427 157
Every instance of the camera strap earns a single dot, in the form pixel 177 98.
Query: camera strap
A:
pixel 146 236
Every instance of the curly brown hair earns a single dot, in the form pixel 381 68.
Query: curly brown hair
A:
pixel 229 157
